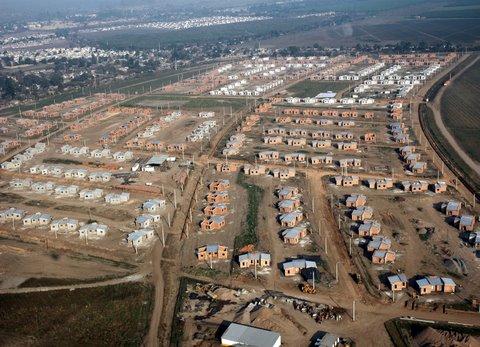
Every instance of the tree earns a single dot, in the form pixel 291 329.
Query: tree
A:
pixel 10 88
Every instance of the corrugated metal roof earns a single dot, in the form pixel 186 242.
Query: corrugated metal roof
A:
pixel 250 336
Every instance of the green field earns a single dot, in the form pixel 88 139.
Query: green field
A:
pixel 255 194
pixel 187 102
pixel 309 88
pixel 468 176
pixel 460 107
pixel 104 316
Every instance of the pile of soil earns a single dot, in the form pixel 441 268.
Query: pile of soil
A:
pixel 430 337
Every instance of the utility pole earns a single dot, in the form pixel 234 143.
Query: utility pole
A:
pixel 353 311
pixel 313 277
pixel 326 246
pixel 336 271
pixel 163 236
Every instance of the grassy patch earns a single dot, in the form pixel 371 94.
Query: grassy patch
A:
pixel 402 331
pixel 62 161
pixel 205 272
pixel 113 315
pixel 84 257
pixel 53 282
pixel 255 195
pixel 309 88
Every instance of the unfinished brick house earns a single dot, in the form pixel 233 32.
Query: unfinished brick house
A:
pixel 293 236
pixel 369 137
pixel 288 205
pixel 273 140
pixel 283 119
pixel 259 259
pixel 321 143
pixel 383 257
pixel 269 155
pixel 215 210
pixel 219 185
pixel 283 174
pixel 321 159
pixel 347 146
pixel 213 223
pixel 362 213
pixel 291 111
pixel 356 200
pixel 287 193
pixel 291 219
pixel 369 228
pixel 227 167
pixel 218 197
pixel 210 252
pixel 254 170
pixel 321 134
pixel 346 181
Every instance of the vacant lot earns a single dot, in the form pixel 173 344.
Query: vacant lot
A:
pixel 114 315
pixel 460 105
pixel 310 88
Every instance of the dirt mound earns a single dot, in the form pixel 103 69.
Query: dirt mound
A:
pixel 430 337
pixel 274 319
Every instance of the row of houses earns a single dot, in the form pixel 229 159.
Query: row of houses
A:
pixel 251 120
pixel 303 158
pixel 412 159
pixel 201 131
pixel 80 174
pixel 425 285
pixel 379 247
pixel 331 101
pixel 41 219
pixel 417 186
pixel 217 208
pixel 99 153
pixel 23 157
pixel 316 112
pixel 274 133
pixel 58 109
pixel 234 144
pixel 39 129
pixel 124 129
pixel 289 207
pixel 8 145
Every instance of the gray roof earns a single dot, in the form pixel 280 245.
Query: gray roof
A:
pixel 212 248
pixel 328 340
pixel 250 336
pixel 397 278
pixel 448 281
pixel 254 256
pixel 292 232
pixel 157 160
pixel 299 263
pixel 423 282
pixel 434 280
